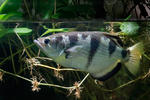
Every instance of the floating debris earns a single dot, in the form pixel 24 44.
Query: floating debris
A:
pixel 35 84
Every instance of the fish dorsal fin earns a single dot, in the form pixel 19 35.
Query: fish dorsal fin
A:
pixel 115 39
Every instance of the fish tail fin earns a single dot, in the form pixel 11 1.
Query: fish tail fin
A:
pixel 133 64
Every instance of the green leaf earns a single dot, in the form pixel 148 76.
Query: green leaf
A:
pixel 53 30
pixel 4 17
pixel 129 28
pixel 128 18
pixel 57 30
pixel 23 31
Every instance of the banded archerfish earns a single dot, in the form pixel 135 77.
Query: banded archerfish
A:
pixel 98 53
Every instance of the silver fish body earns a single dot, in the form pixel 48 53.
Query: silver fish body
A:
pixel 98 53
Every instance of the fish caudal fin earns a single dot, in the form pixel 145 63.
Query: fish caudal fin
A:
pixel 133 64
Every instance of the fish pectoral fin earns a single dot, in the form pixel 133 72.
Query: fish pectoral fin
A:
pixel 62 51
pixel 73 50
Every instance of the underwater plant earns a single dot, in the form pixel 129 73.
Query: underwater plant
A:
pixel 53 30
pixel 129 28
pixel 22 31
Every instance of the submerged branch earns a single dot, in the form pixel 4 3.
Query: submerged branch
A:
pixel 128 83
pixel 12 58
pixel 15 75
pixel 107 90
pixel 43 58
pixel 73 87
pixel 62 69
pixel 22 43
pixel 44 84
pixel 9 57
pixel 146 56
pixel 83 80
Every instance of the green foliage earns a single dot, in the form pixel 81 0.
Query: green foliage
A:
pixel 45 9
pixel 75 11
pixel 126 19
pixel 50 30
pixel 22 31
pixel 10 9
pixel 129 28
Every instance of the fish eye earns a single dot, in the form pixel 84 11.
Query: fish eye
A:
pixel 46 41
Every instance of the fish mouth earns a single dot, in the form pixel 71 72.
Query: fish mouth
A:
pixel 38 44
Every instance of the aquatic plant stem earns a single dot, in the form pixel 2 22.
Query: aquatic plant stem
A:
pixel 146 56
pixel 73 87
pixel 22 42
pixel 62 69
pixel 27 8
pixel 7 58
pixel 12 58
pixel 128 83
pixel 58 86
pixel 44 58
pixel 44 84
pixel 83 80
pixel 15 75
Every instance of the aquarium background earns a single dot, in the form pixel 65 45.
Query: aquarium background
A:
pixel 22 21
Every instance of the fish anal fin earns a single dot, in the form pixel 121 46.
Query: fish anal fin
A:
pixel 107 75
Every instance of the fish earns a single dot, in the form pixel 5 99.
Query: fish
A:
pixel 97 53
